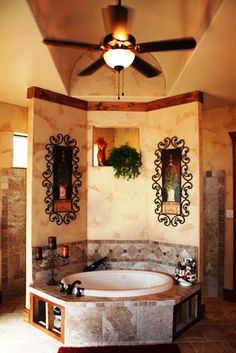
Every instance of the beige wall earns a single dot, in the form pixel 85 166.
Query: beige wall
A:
pixel 120 209
pixel 109 203
pixel 217 155
pixel 106 207
pixel 117 208
pixel 133 216
pixel 181 121
pixel 48 119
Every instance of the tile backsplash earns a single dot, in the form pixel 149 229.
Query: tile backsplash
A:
pixel 136 255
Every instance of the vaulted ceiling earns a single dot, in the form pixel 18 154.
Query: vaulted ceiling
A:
pixel 25 61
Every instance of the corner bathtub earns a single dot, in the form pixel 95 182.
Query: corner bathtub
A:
pixel 120 283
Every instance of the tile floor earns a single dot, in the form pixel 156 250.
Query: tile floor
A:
pixel 17 336
pixel 216 333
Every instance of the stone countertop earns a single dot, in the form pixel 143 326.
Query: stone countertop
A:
pixel 175 294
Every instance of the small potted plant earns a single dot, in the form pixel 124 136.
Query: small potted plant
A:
pixel 125 161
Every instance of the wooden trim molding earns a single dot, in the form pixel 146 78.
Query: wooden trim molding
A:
pixel 118 106
pixel 233 138
pixel 36 92
pixel 41 93
pixel 26 315
pixel 195 96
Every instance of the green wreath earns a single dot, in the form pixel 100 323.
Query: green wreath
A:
pixel 125 161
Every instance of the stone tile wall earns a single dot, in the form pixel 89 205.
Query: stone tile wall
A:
pixel 120 322
pixel 144 255
pixel 214 232
pixel 13 231
pixel 136 255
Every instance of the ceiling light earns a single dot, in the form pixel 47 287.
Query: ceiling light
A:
pixel 119 59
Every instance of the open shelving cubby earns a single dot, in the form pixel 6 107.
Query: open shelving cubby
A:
pixel 187 313
pixel 47 316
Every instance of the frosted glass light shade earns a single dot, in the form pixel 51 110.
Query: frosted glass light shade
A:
pixel 119 57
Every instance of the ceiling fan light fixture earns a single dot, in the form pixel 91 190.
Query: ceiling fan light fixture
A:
pixel 119 58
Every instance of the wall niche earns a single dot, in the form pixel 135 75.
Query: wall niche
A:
pixel 106 138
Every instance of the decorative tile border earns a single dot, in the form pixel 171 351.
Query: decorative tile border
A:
pixel 145 255
pixel 121 255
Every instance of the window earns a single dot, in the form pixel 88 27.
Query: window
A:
pixel 20 144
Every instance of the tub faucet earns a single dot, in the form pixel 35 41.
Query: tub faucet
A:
pixel 98 263
pixel 78 292
pixel 68 288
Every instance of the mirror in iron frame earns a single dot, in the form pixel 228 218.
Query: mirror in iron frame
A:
pixel 172 181
pixel 62 179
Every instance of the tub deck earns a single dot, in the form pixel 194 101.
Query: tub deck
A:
pixel 176 294
pixel 92 321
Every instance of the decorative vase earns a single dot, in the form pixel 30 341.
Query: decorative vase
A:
pixel 185 272
pixel 101 155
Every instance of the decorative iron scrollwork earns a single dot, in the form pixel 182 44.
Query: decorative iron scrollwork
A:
pixel 172 177
pixel 62 179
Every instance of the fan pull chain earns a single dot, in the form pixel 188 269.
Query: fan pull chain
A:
pixel 122 83
pixel 118 86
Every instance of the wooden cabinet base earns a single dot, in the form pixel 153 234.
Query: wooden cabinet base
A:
pixel 47 316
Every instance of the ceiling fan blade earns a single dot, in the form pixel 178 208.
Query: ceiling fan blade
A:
pixel 119 21
pixel 92 68
pixel 145 68
pixel 70 44
pixel 166 45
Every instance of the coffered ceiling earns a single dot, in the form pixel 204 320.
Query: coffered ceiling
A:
pixel 25 61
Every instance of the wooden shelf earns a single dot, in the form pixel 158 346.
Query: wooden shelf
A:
pixel 187 313
pixel 47 316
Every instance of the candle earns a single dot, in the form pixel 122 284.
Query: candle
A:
pixel 52 243
pixel 65 251
pixel 39 254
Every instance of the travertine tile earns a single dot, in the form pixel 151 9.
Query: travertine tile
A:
pixel 219 332
pixel 212 347
pixel 119 324
pixel 186 348
pixel 193 334
pixel 232 344
pixel 84 326
pixel 18 336
pixel 155 323
pixel 13 232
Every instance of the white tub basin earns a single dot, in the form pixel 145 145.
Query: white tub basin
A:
pixel 120 283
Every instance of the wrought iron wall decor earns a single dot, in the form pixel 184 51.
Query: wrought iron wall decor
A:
pixel 172 181
pixel 62 179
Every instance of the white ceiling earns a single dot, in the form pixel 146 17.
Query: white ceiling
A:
pixel 25 61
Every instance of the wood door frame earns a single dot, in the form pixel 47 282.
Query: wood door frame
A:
pixel 228 293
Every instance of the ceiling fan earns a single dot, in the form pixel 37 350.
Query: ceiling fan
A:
pixel 119 48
